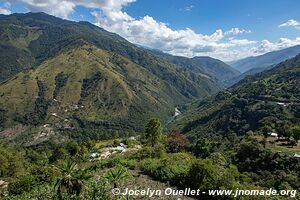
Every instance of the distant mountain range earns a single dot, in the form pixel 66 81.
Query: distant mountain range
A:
pixel 62 72
pixel 269 98
pixel 222 72
pixel 77 75
pixel 255 64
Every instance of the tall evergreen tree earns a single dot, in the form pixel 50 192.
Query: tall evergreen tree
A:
pixel 154 131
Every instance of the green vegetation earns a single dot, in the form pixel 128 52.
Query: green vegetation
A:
pixel 207 66
pixel 71 180
pixel 98 77
pixel 86 87
pixel 267 103
pixel 66 170
pixel 88 113
pixel 116 175
pixel 153 131
pixel 176 142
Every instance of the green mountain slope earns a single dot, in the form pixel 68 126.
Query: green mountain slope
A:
pixel 209 66
pixel 270 98
pixel 47 58
pixel 36 37
pixel 92 85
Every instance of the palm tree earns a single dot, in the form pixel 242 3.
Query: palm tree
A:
pixel 116 175
pixel 71 179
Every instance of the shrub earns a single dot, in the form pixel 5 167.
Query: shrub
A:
pixel 176 142
pixel 173 168
pixel 22 184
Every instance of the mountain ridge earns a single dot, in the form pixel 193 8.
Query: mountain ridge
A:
pixel 155 88
pixel 222 72
pixel 268 98
pixel 266 60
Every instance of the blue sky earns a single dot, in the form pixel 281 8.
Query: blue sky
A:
pixel 224 29
pixel 206 16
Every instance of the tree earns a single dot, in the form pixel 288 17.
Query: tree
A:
pixel 116 175
pixel 176 141
pixel 266 129
pixel 203 147
pixel 58 153
pixel 154 131
pixel 71 179
pixel 295 131
pixel 12 163
pixel 22 184
pixel 205 175
pixel 2 118
pixel 284 130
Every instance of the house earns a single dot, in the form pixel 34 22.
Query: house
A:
pixel 123 145
pixel 296 155
pixel 282 104
pixel 273 134
pixel 93 155
pixel 46 125
pixel 177 112
pixel 54 114
pixel 105 155
pixel 120 148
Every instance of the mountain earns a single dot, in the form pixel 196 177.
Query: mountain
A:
pixel 207 65
pixel 260 63
pixel 269 98
pixel 249 73
pixel 79 75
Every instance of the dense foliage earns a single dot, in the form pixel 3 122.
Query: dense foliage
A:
pixel 65 170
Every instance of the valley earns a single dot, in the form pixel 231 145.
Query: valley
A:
pixel 86 114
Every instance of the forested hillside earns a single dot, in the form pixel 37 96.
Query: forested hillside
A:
pixel 97 76
pixel 270 98
pixel 222 72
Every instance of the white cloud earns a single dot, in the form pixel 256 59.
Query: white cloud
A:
pixel 292 23
pixel 5 11
pixel 241 42
pixel 267 46
pixel 63 8
pixel 237 31
pixel 147 31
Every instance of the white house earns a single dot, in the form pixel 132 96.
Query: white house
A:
pixel 273 134
pixel 296 155
pixel 93 155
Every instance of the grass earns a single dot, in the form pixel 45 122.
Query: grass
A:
pixel 285 149
pixel 122 84
pixel 279 146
